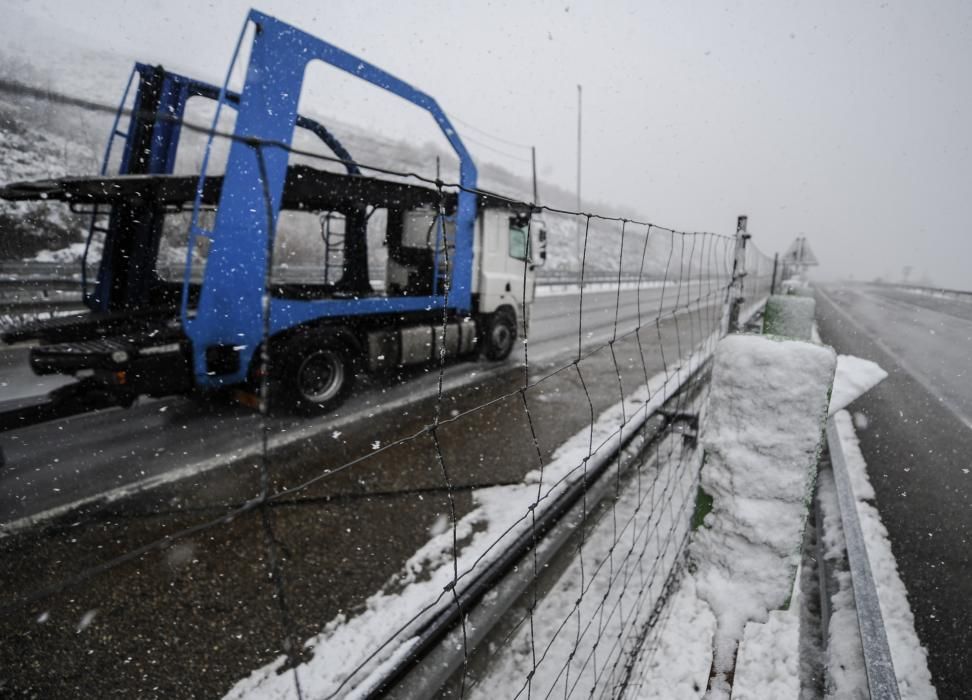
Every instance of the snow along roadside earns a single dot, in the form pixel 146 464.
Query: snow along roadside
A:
pixel 769 653
pixel 678 662
pixel 909 657
pixel 779 647
pixel 742 561
pixel 350 654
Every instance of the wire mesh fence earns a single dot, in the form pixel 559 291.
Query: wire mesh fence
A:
pixel 293 557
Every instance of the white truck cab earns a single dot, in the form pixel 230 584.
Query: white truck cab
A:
pixel 508 247
pixel 505 271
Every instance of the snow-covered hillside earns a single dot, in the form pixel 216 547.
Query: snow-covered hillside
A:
pixel 41 140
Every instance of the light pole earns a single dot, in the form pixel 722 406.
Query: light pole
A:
pixel 579 110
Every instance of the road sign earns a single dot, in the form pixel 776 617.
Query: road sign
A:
pixel 799 253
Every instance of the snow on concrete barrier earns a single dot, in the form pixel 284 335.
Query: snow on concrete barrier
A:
pixel 796 287
pixel 789 316
pixel 762 438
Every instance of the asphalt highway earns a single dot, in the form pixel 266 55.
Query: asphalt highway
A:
pixel 915 430
pixel 195 617
pixel 53 467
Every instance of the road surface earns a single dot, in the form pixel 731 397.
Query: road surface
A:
pixel 57 464
pixel 915 430
pixel 196 617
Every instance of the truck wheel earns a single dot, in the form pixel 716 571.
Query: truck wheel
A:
pixel 314 374
pixel 499 335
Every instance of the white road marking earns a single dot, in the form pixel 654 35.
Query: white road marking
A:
pixel 277 441
pixel 904 364
pixel 280 440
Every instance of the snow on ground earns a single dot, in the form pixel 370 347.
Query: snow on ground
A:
pixel 31 149
pixel 768 665
pixel 961 295
pixel 796 286
pixel 853 378
pixel 766 410
pixel 587 627
pixel 676 658
pixel 349 653
pixel 844 661
pixel 71 254
pixel 675 662
pixel 909 657
pixel 742 565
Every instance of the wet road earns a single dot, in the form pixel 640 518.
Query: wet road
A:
pixel 61 465
pixel 16 379
pixel 915 430
pixel 190 618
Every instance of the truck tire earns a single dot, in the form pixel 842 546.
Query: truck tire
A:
pixel 499 335
pixel 313 374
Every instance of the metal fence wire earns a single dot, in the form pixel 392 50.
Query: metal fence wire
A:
pixel 330 557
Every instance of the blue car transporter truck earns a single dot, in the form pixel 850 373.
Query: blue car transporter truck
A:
pixel 458 266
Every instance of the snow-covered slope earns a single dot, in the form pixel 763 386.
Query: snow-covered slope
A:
pixel 39 139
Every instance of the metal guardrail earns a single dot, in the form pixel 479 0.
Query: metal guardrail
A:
pixel 39 287
pixel 35 267
pixel 33 288
pixel 555 277
pixel 441 648
pixel 550 277
pixel 935 291
pixel 70 271
pixel 881 680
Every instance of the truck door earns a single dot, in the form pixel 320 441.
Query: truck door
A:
pixel 503 252
pixel 519 259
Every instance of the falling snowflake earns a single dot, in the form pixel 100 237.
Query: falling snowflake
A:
pixel 87 619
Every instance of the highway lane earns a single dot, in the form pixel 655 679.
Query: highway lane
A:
pixel 915 430
pixel 197 616
pixel 16 379
pixel 930 337
pixel 68 462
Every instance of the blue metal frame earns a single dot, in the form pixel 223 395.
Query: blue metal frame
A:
pixel 230 310
pixel 175 92
pixel 178 89
pixel 98 299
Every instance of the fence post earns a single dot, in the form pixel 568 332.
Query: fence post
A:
pixel 738 272
pixel 776 262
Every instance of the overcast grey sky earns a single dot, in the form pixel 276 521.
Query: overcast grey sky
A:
pixel 847 122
